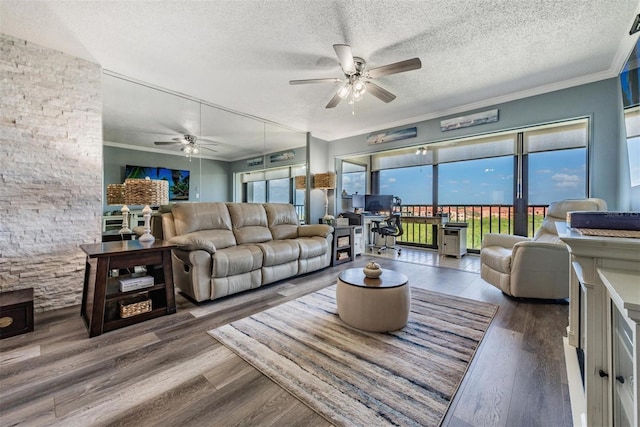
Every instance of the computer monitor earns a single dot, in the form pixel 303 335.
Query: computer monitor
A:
pixel 357 201
pixel 376 203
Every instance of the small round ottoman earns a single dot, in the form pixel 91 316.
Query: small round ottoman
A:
pixel 374 305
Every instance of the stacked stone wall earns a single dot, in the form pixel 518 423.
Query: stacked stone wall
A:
pixel 50 170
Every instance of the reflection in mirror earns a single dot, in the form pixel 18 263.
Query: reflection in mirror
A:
pixel 630 85
pixel 137 115
pixel 153 127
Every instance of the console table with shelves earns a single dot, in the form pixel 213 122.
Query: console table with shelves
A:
pixel 345 247
pixel 114 222
pixel 109 262
pixel 604 319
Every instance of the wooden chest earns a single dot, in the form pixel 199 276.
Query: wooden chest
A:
pixel 16 312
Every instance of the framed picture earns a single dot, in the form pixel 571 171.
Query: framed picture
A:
pixel 178 179
pixel 393 135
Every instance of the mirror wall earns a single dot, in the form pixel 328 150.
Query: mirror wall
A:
pixel 143 126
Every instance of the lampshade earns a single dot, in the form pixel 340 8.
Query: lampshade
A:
pixel 115 194
pixel 301 182
pixel 326 181
pixel 146 192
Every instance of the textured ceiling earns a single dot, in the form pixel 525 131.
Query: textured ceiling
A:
pixel 241 54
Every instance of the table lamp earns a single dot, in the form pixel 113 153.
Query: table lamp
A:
pixel 301 182
pixel 115 196
pixel 326 182
pixel 146 192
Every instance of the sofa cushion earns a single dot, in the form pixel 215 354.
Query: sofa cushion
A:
pixel 277 252
pixel 236 260
pixel 208 240
pixel 311 247
pixel 249 223
pixel 190 217
pixel 282 220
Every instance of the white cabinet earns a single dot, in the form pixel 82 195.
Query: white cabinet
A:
pixel 605 308
pixel 454 241
pixel 358 240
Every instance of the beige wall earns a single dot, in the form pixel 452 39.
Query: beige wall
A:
pixel 50 170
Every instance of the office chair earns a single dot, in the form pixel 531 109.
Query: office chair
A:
pixel 391 227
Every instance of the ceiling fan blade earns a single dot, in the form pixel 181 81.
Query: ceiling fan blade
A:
pixel 304 82
pixel 395 68
pixel 207 141
pixel 345 57
pixel 334 101
pixel 380 93
pixel 167 143
pixel 207 148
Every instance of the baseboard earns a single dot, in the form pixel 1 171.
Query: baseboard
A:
pixel 576 391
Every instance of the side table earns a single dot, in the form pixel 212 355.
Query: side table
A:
pixel 116 236
pixel 374 305
pixel 101 295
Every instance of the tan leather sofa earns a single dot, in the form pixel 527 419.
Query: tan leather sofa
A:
pixel 536 267
pixel 225 248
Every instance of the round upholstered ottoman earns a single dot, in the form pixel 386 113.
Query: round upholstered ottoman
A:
pixel 374 305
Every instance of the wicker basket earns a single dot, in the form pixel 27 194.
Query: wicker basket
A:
pixel 134 306
pixel 153 192
pixel 115 194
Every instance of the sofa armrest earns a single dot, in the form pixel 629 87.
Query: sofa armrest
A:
pixel 503 240
pixel 310 230
pixel 191 243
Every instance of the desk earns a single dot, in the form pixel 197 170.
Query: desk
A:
pixel 433 220
pixel 367 222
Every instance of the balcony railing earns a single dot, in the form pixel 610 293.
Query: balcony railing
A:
pixel 481 219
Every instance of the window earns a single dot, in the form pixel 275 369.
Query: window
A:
pixel 274 186
pixel 257 192
pixel 354 178
pixel 557 175
pixel 632 125
pixel 501 182
pixel 278 190
pixel 476 182
pixel 414 185
pixel 557 162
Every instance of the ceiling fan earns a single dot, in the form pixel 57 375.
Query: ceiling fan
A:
pixel 358 79
pixel 190 144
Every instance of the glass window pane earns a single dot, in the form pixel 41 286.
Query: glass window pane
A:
pixel 557 175
pixel 413 185
pixel 279 190
pixel 257 192
pixel 476 182
pixel 354 182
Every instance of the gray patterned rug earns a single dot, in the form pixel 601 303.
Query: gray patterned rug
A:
pixel 356 378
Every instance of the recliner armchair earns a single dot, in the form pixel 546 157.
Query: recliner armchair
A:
pixel 535 267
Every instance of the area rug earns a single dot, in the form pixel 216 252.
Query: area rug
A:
pixel 356 378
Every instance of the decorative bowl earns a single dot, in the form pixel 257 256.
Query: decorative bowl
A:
pixel 372 270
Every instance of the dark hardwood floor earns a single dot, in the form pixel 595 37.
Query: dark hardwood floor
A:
pixel 169 371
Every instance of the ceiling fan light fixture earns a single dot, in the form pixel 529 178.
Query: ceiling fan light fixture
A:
pixel 344 91
pixel 359 86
